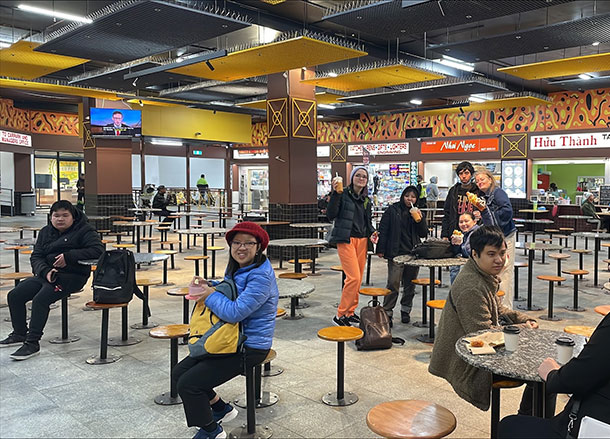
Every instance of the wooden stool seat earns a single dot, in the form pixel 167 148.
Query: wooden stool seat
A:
pixel 301 261
pixel 103 230
pixel 500 293
pixel 150 238
pixel 270 356
pixel 410 419
pixel 281 312
pixel 602 309
pixel 196 258
pixel 374 291
pixel 95 305
pixel 559 256
pixel 123 245
pixel 169 331
pixel 575 272
pixel 297 276
pixel 2 267
pixel 19 275
pixel 585 331
pixel 521 264
pixel 607 261
pixel 163 228
pixel 551 230
pixel 17 247
pixel 26 252
pixel 117 233
pixel 166 252
pixel 147 282
pixel 336 268
pixel 340 333
pixel 547 240
pixel 566 229
pixel 214 248
pixel 551 278
pixel 168 242
pixel 106 241
pixel 173 216
pixel 425 281
pixel 581 251
pixel 183 291
pixel 436 304
pixel 506 384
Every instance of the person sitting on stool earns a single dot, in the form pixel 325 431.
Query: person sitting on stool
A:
pixel 57 273
pixel 161 202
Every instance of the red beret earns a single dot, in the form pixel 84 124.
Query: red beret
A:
pixel 251 229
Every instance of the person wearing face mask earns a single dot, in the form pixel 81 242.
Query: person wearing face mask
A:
pixel 60 245
pixel 350 210
pixel 457 201
pixel 399 232
pixel 472 306
pixel 498 204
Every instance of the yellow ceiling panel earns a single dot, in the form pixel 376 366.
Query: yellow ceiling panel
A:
pixel 561 67
pixel 523 101
pixel 60 89
pixel 261 104
pixel 377 77
pixel 20 61
pixel 271 58
pixel 322 97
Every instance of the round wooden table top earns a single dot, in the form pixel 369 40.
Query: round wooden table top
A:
pixel 579 330
pixel 410 419
pixel 602 309
pixel 340 333
pixel 169 331
pixel 96 305
pixel 183 291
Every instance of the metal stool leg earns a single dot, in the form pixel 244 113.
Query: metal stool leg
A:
pixel 172 397
pixel 424 313
pixel 125 339
pixel 340 398
pixel 145 323
pixel 575 306
pixel 103 357
pixel 65 338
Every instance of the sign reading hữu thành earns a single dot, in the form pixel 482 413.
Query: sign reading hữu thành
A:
pixel 15 138
pixel 570 141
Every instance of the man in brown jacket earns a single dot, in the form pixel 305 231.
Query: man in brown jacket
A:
pixel 473 305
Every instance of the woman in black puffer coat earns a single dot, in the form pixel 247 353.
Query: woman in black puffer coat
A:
pixel 60 245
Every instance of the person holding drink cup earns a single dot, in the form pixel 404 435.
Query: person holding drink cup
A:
pixel 402 225
pixel 350 209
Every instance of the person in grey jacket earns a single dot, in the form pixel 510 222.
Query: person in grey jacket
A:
pixel 432 196
pixel 398 234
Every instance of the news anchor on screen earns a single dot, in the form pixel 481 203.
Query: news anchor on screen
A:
pixel 117 127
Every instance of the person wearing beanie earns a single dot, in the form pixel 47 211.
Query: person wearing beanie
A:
pixel 588 209
pixel 351 212
pixel 398 234
pixel 457 202
pixel 255 308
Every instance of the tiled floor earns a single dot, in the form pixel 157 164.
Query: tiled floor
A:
pixel 57 394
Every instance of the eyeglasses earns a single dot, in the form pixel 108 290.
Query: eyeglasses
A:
pixel 248 245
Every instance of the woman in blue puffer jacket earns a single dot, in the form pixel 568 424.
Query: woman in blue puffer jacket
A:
pixel 255 307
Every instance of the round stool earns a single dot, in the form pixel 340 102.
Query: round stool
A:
pixel 585 331
pixel 559 257
pixel 410 419
pixel 171 254
pixel 340 334
pixel 576 274
pixel 104 358
pixel 263 398
pixel 150 240
pixel 214 249
pixel 602 309
pixel 182 292
pixel 498 384
pixel 432 304
pixel 339 268
pixel 281 312
pixel 296 276
pixel 424 282
pixel 551 280
pixel 196 258
pixel 146 284
pixel 374 293
pixel 581 254
pixel 173 333
pixel 123 246
pixel 294 301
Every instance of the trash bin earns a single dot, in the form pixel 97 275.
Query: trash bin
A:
pixel 28 204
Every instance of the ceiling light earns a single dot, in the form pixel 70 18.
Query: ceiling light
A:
pixel 54 14
pixel 224 104
pixel 320 116
pixel 476 99
pixel 585 76
pixel 455 63
pixel 4 45
pixel 326 106
pixel 166 142
pixel 595 43
pixel 416 101
pixel 332 74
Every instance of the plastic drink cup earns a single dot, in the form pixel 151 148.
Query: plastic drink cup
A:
pixel 565 349
pixel 339 181
pixel 511 338
pixel 415 213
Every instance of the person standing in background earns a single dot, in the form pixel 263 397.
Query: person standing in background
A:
pixel 432 196
pixel 421 187
pixel 80 192
pixel 457 202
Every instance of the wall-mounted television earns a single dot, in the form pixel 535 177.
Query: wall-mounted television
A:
pixel 115 122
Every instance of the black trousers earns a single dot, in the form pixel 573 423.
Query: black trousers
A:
pixel 196 379
pixel 526 407
pixel 519 426
pixel 42 294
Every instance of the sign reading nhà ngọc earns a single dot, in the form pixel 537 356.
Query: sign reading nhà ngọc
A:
pixel 459 145
pixel 380 148
pixel 570 141
pixel 15 138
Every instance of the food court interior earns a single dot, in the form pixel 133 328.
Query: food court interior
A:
pixel 271 99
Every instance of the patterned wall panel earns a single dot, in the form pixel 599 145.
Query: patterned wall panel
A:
pixel 11 117
pixel 40 122
pixel 578 110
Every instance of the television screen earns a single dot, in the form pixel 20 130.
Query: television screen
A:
pixel 114 122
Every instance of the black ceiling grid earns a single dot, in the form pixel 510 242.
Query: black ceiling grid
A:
pixel 575 33
pixel 390 20
pixel 124 34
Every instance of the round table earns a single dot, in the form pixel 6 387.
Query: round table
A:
pixel 21 241
pixel 296 243
pixel 534 222
pixel 294 289
pixel 431 264
pixel 598 237
pixel 575 218
pixel 531 248
pixel 141 258
pixel 535 345
pixel 311 226
pixel 136 225
pixel 534 211
pixel 205 231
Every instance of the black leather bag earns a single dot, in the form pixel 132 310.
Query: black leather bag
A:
pixel 433 248
pixel 375 324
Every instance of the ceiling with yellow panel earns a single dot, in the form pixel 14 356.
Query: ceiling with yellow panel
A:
pixel 523 101
pixel 271 58
pixel 376 77
pixel 561 67
pixel 61 89
pixel 322 97
pixel 20 61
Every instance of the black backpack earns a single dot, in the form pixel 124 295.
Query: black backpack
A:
pixel 376 326
pixel 114 280
pixel 433 248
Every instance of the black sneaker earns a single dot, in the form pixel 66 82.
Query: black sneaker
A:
pixel 12 340
pixel 29 349
pixel 354 319
pixel 405 317
pixel 341 321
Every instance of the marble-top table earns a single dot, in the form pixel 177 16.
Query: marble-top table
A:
pixel 576 218
pixel 535 345
pixel 597 237
pixel 20 241
pixel 10 229
pixel 137 226
pixel 294 289
pixel 431 264
pixel 296 243
pixel 141 258
pixel 312 226
pixel 534 211
pixel 98 217
pixel 534 222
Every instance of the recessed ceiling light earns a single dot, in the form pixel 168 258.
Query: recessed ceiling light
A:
pixel 54 14
pixel 595 43
pixel 326 106
pixel 359 17
pixel 518 37
pixel 469 16
pixel 585 76
pixel 403 30
pixel 546 47
pixel 332 74
pixel 416 101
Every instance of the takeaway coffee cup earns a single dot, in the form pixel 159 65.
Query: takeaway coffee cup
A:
pixel 565 349
pixel 511 338
pixel 339 181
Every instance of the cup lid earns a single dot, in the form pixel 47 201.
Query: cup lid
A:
pixel 511 329
pixel 564 341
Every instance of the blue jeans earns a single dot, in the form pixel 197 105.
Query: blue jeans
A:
pixel 453 272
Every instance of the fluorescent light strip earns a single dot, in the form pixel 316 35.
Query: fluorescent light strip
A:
pixel 476 99
pixel 326 106
pixel 416 101
pixel 4 45
pixel 332 74
pixel 54 14
pixel 585 76
pixel 166 142
pixel 455 65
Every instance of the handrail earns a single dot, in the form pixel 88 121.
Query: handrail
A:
pixel 11 198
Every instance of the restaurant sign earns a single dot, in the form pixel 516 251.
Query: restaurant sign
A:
pixel 570 141
pixel 15 138
pixel 380 148
pixel 469 145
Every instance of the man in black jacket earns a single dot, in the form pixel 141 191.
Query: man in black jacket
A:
pixel 398 234
pixel 160 202
pixel 57 273
pixel 457 202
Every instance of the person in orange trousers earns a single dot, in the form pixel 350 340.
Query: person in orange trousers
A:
pixel 350 209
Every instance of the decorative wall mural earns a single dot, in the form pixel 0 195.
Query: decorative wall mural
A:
pixel 568 111
pixel 34 121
